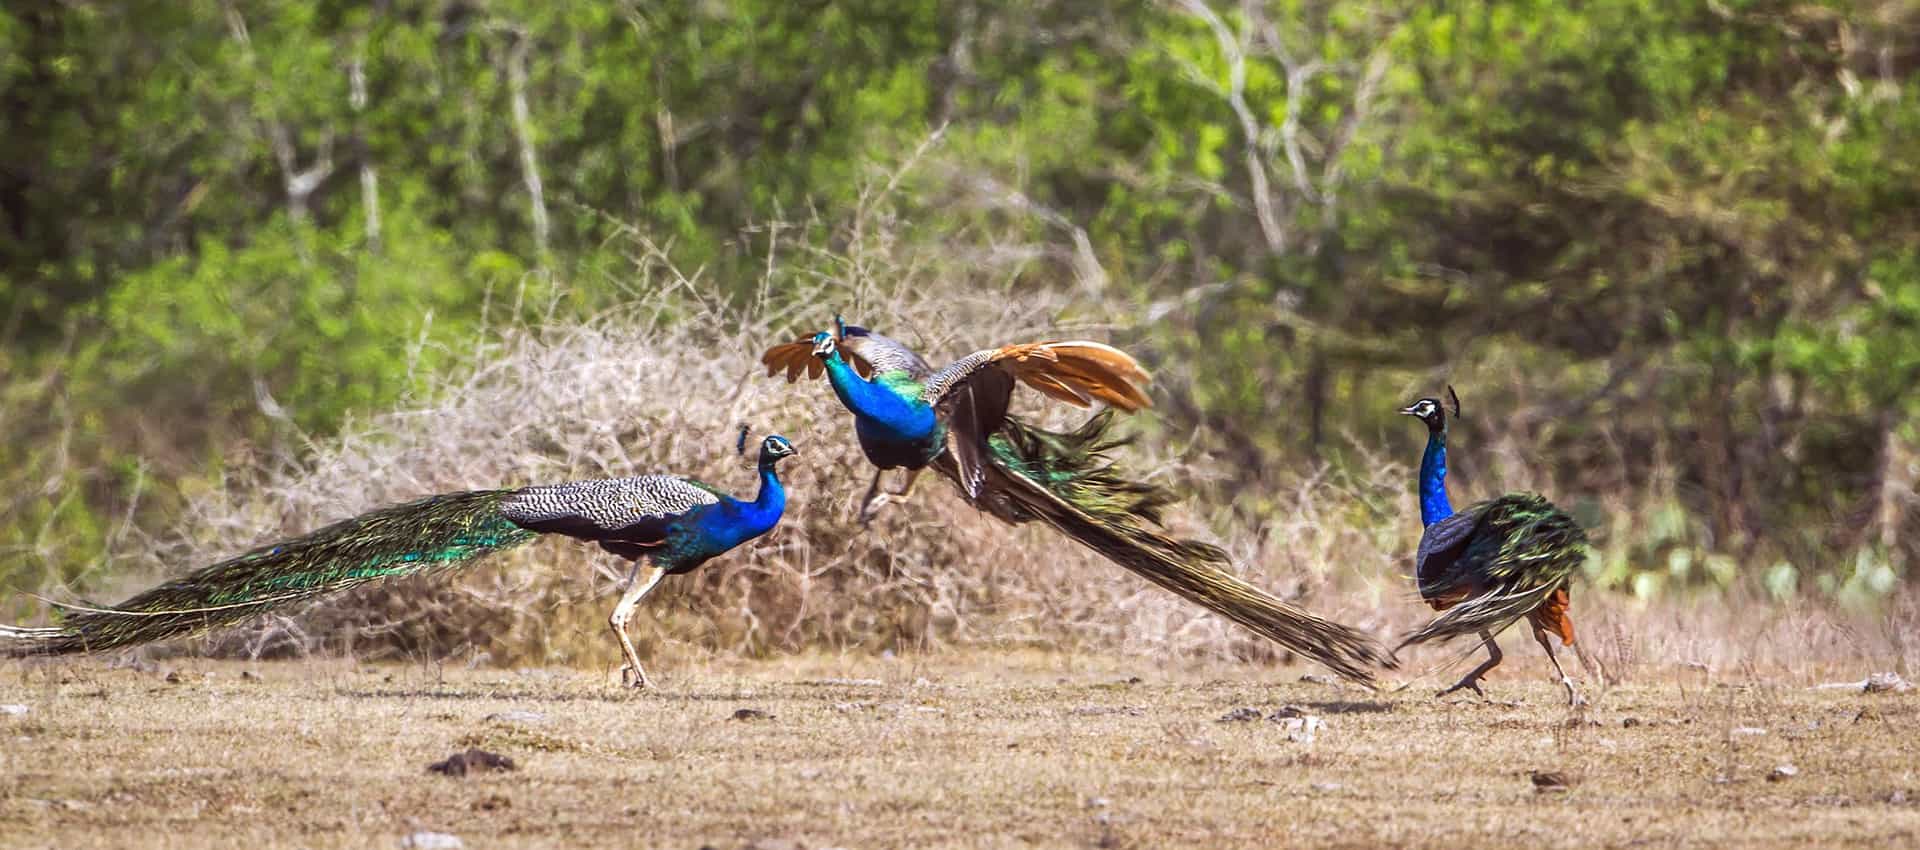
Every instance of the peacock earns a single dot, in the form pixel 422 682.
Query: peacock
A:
pixel 1493 563
pixel 955 420
pixel 671 523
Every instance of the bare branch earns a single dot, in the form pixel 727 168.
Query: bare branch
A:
pixel 1335 174
pixel 1314 172
pixel 369 176
pixel 1087 269
pixel 300 183
pixel 1233 48
pixel 523 135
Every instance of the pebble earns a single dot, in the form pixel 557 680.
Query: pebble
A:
pixel 1301 730
pixel 1549 780
pixel 432 841
pixel 474 760
pixel 1240 715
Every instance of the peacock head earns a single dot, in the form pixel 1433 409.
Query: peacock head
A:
pixel 1432 412
pixel 823 345
pixel 773 448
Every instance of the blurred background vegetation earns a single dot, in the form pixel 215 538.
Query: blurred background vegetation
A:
pixel 1669 253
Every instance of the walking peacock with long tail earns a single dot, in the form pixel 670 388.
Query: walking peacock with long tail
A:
pixel 955 420
pixel 664 524
pixel 1493 563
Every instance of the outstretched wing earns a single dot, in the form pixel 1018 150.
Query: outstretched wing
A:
pixel 625 516
pixel 973 392
pixel 1077 372
pixel 869 353
pixel 796 359
pixel 883 353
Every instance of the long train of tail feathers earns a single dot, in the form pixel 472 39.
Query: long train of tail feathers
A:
pixel 1065 480
pixel 418 537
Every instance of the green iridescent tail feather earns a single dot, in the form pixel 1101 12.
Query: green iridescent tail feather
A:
pixel 418 537
pixel 1066 480
pixel 1523 550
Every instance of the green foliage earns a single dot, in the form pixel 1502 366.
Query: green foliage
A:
pixel 1630 230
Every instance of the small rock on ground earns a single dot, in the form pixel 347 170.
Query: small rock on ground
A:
pixel 751 714
pixel 1550 780
pixel 1240 715
pixel 13 710
pixel 1886 682
pixel 1301 730
pixel 474 760
pixel 1783 773
pixel 432 841
pixel 1878 683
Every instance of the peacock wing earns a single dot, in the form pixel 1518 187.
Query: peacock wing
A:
pixel 1078 372
pixel 868 352
pixel 883 353
pixel 624 515
pixel 1437 563
pixel 974 408
pixel 796 359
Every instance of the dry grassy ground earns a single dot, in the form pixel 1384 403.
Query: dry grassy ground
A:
pixel 963 749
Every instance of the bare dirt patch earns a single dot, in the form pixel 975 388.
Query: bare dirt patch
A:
pixel 965 749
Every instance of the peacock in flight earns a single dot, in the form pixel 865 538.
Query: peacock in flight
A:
pixel 1492 563
pixel 955 420
pixel 672 523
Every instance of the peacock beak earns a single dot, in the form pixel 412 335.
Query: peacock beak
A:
pixel 1410 410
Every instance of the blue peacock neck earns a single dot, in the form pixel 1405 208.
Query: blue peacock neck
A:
pixel 772 501
pixel 878 404
pixel 1434 506
pixel 736 521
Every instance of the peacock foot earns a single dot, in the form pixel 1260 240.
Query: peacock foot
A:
pixel 634 677
pixel 1471 682
pixel 1574 699
pixel 872 507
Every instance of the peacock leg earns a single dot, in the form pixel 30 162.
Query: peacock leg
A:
pixel 641 580
pixel 1471 681
pixel 912 476
pixel 873 498
pixel 1540 635
pixel 1593 670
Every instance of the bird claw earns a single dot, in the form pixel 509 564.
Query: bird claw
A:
pixel 1471 683
pixel 872 507
pixel 1574 699
pixel 634 677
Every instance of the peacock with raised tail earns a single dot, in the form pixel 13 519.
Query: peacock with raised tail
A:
pixel 909 415
pixel 664 524
pixel 1493 563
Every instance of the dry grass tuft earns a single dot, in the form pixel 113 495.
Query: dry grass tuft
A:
pixel 662 385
